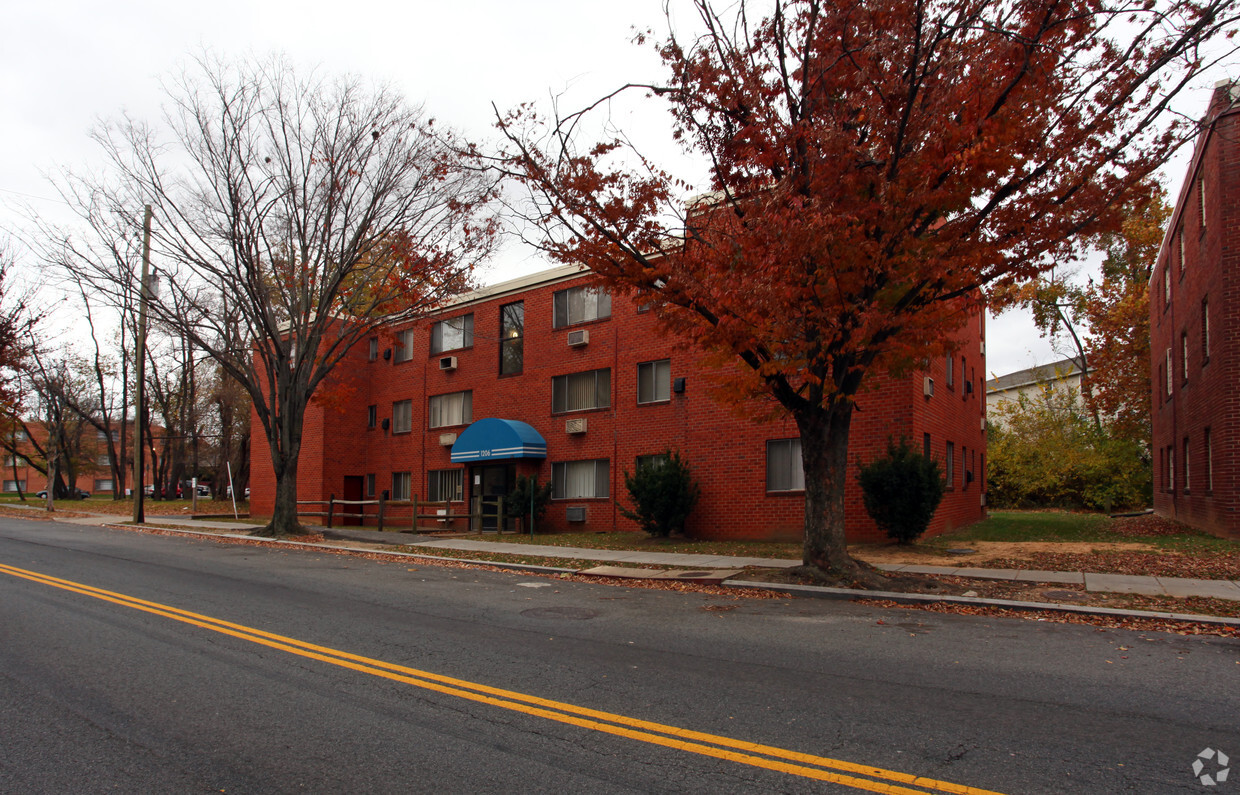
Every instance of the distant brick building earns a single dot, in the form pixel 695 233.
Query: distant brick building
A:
pixel 586 386
pixel 1195 334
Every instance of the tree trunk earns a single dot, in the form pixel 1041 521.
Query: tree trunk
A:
pixel 824 453
pixel 284 512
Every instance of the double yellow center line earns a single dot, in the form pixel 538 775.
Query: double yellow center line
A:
pixel 863 777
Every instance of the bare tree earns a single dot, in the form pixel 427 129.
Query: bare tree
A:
pixel 292 216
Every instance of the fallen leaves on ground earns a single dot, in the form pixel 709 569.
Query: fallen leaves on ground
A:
pixel 1201 566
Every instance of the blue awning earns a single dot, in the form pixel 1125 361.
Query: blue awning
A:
pixel 491 439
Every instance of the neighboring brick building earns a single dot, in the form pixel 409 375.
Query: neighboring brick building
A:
pixel 601 386
pixel 1195 334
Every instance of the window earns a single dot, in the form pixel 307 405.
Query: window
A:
pixel 402 416
pixel 1184 356
pixel 449 335
pixel 1170 372
pixel 104 460
pixel 454 408
pixel 446 485
pixel 579 305
pixel 950 379
pixel 372 351
pixel 1179 250
pixel 656 460
pixel 404 346
pixel 1187 482
pixel 1167 287
pixel 925 446
pixel 964 468
pixel 784 469
pixel 581 479
pixel 581 391
pixel 370 485
pixel 1205 330
pixel 654 381
pixel 103 484
pixel 512 338
pixel 1209 444
pixel 1201 201
pixel 372 416
pixel 949 469
pixel 14 460
pixel 19 436
pixel 1171 467
pixel 400 485
pixel 14 485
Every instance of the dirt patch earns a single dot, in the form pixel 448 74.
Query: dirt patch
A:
pixel 986 552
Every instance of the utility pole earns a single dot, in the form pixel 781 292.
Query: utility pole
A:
pixel 139 426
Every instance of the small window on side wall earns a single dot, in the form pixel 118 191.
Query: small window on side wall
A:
pixel 404 346
pixel 785 470
pixel 654 381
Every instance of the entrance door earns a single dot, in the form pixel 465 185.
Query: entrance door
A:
pixel 352 514
pixel 494 481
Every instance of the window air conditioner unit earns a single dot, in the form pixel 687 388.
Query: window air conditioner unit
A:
pixel 983 423
pixel 983 347
pixel 447 363
pixel 927 386
pixel 447 439
pixel 578 338
pixel 576 513
pixel 575 425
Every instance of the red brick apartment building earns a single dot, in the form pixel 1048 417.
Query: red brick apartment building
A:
pixel 1195 334
pixel 546 375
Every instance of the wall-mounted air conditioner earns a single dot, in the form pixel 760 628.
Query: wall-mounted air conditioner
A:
pixel 927 387
pixel 578 338
pixel 983 423
pixel 447 363
pixel 576 513
pixel 575 425
pixel 447 439
pixel 983 347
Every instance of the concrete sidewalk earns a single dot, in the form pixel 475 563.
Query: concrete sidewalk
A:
pixel 1099 583
pixel 1103 583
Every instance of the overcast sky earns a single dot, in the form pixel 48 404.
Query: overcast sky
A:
pixel 64 65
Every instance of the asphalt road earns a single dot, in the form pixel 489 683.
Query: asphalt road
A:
pixel 332 675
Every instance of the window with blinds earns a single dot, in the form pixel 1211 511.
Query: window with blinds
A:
pixel 454 408
pixel 784 469
pixel 579 305
pixel 572 480
pixel 581 391
pixel 449 335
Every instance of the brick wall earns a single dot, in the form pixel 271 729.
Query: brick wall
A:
pixel 1198 272
pixel 726 452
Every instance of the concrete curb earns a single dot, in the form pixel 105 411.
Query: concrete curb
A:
pixel 824 592
pixel 807 591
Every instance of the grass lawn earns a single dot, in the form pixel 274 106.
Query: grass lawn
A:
pixel 1052 526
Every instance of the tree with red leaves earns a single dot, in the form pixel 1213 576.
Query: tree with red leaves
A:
pixel 873 167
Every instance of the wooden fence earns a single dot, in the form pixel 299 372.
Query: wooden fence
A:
pixel 399 515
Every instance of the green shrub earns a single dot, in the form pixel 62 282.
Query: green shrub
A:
pixel 663 495
pixel 902 490
pixel 1045 451
pixel 517 503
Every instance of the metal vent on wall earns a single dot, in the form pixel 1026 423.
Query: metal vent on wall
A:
pixel 576 513
pixel 578 338
pixel 575 425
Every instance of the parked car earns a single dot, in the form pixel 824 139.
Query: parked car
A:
pixel 74 494
pixel 204 491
